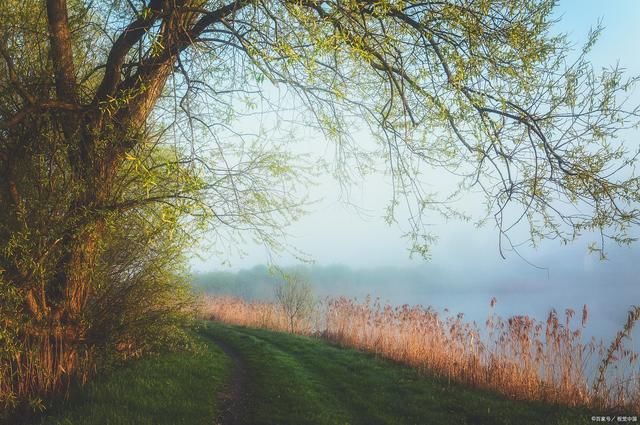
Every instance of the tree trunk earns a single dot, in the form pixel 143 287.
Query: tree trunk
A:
pixel 54 346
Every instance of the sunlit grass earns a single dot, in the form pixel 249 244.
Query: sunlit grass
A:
pixel 170 388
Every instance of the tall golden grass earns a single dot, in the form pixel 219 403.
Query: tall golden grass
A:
pixel 45 361
pixel 263 315
pixel 519 357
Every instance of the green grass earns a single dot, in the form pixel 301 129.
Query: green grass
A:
pixel 173 388
pixel 298 380
pixel 290 380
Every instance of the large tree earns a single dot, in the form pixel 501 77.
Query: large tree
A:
pixel 120 126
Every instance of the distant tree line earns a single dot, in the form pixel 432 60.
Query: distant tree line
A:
pixel 258 283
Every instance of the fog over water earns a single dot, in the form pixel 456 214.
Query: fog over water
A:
pixel 608 288
pixel 367 256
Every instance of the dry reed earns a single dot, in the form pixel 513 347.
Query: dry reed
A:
pixel 45 364
pixel 263 315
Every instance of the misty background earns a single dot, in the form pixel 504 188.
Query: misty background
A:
pixel 350 250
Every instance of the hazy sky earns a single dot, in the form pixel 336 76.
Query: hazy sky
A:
pixel 334 232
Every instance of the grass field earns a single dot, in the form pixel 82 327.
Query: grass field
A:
pixel 289 380
pixel 171 389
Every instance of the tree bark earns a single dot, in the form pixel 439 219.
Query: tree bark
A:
pixel 61 50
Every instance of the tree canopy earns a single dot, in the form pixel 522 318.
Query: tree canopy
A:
pixel 121 137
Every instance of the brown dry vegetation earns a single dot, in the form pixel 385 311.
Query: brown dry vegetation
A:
pixel 256 314
pixel 520 357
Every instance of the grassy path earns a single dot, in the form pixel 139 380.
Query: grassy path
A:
pixel 257 377
pixel 232 399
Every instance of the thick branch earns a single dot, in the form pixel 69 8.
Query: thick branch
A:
pixel 216 16
pixel 129 37
pixel 152 74
pixel 44 105
pixel 61 50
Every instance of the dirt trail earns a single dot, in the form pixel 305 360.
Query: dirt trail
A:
pixel 233 399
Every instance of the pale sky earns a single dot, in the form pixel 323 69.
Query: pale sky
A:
pixel 334 232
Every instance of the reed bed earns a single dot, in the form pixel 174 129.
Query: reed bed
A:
pixel 520 357
pixel 265 315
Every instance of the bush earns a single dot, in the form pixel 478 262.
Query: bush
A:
pixel 295 298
